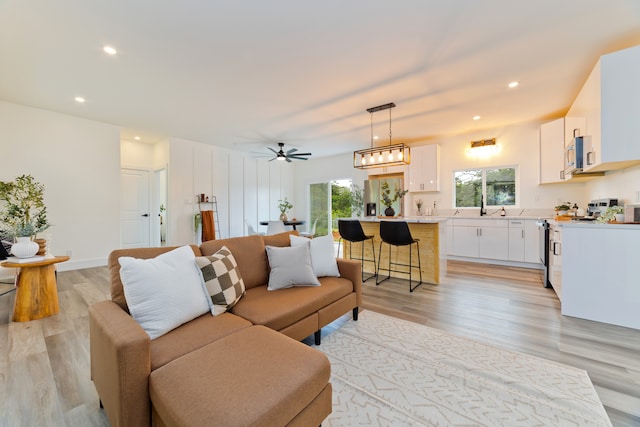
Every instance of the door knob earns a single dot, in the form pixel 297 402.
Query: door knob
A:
pixel 145 214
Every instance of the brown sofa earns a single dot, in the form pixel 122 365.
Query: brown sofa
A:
pixel 230 369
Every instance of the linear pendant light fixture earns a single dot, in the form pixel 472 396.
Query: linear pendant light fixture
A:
pixel 390 155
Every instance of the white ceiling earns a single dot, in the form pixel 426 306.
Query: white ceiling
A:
pixel 245 73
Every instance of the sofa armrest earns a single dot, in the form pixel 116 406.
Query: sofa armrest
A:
pixel 352 270
pixel 120 364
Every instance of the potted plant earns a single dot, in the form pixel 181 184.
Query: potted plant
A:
pixel 563 208
pixel 23 213
pixel 389 200
pixel 613 213
pixel 284 207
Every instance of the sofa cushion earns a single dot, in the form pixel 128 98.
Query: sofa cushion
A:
pixel 222 279
pixel 164 292
pixel 250 255
pixel 193 335
pixel 280 240
pixel 290 266
pixel 117 292
pixel 270 386
pixel 277 310
pixel 323 255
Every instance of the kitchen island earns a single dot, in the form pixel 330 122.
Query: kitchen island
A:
pixel 600 272
pixel 430 231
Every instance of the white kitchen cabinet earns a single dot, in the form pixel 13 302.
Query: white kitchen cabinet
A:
pixel 610 102
pixel 524 241
pixel 487 239
pixel 554 136
pixel 424 170
pixel 516 240
pixel 531 241
pixel 555 259
pixel 600 273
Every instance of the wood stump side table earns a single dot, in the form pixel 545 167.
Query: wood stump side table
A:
pixel 36 292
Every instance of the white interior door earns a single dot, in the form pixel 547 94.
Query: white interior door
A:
pixel 135 219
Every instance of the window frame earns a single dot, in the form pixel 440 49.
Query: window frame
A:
pixel 484 186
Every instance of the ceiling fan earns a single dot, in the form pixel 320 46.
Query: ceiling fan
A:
pixel 287 155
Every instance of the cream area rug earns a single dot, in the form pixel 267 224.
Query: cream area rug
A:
pixel 390 372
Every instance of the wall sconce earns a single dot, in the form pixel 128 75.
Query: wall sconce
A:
pixel 483 148
pixel 391 155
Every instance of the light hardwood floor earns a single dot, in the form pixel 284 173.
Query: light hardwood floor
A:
pixel 44 364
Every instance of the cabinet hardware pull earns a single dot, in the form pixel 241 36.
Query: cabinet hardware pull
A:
pixel 522 233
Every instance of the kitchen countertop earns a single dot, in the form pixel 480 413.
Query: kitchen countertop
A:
pixel 409 219
pixel 599 225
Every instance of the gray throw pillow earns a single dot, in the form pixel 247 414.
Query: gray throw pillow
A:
pixel 290 266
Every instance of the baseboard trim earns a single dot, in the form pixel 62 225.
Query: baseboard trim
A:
pixel 9 273
pixel 533 266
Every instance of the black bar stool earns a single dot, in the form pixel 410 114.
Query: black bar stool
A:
pixel 397 233
pixel 352 232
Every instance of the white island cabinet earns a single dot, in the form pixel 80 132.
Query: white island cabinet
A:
pixel 601 273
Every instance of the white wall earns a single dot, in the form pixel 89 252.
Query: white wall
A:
pixel 245 188
pixel 519 147
pixel 622 184
pixel 78 161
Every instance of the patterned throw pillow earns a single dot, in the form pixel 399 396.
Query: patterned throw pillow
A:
pixel 222 279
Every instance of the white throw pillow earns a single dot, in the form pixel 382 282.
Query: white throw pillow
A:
pixel 164 292
pixel 323 256
pixel 290 266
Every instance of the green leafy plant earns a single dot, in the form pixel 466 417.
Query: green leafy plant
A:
pixel 284 205
pixel 563 207
pixel 610 213
pixel 387 199
pixel 23 213
pixel 357 200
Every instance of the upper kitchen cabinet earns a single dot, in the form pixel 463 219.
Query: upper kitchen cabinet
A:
pixel 610 103
pixel 424 170
pixel 554 136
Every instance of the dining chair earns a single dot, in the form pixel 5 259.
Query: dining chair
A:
pixel 311 232
pixel 351 231
pixel 275 227
pixel 397 233
pixel 250 230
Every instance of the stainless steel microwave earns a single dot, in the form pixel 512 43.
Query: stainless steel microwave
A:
pixel 632 213
pixel 573 161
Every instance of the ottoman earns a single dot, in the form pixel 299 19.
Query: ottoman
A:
pixel 253 377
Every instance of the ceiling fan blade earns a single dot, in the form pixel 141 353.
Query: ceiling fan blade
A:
pixel 288 159
pixel 292 150
pixel 274 151
pixel 297 158
pixel 302 154
pixel 271 160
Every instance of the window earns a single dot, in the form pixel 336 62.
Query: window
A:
pixel 329 201
pixel 496 185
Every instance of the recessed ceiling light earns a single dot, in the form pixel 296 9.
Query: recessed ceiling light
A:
pixel 110 50
pixel 375 137
pixel 476 117
pixel 79 99
pixel 137 138
pixel 513 84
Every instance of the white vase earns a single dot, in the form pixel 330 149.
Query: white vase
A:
pixel 619 217
pixel 24 248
